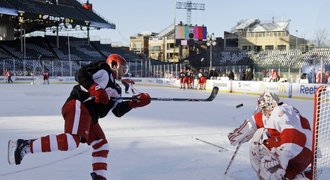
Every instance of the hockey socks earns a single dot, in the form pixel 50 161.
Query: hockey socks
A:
pixel 100 154
pixel 60 142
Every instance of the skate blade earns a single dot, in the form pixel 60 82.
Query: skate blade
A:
pixel 11 151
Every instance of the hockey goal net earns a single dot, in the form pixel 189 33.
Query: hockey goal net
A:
pixel 321 134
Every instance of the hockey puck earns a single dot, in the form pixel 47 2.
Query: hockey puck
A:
pixel 239 105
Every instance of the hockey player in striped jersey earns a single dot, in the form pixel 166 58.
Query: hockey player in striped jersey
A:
pixel 281 140
pixel 92 99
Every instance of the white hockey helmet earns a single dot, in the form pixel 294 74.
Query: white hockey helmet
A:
pixel 267 102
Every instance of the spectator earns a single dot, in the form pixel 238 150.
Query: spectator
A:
pixel 213 74
pixel 311 76
pixel 264 73
pixel 320 77
pixel 274 76
pixel 249 75
pixel 231 75
pixel 327 75
pixel 8 75
pixel 242 75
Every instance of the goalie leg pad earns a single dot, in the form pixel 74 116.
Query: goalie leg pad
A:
pixel 261 158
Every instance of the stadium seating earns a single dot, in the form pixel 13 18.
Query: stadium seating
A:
pixel 5 4
pixel 32 7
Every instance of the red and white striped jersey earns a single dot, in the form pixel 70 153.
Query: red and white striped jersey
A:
pixel 287 130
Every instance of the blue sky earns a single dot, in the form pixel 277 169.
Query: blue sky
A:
pixel 134 16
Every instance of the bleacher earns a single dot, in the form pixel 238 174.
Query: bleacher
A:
pixel 277 57
pixel 235 57
pixel 31 6
pixel 4 54
pixel 5 4
pixel 316 54
pixel 65 8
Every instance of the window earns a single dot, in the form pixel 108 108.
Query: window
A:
pixel 269 47
pixel 246 48
pixel 155 48
pixel 281 47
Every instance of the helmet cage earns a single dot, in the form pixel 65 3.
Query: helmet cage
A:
pixel 267 102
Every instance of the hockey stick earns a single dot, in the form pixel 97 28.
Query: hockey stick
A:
pixel 237 148
pixel 213 94
pixel 221 149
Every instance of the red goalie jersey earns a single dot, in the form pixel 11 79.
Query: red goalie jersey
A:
pixel 289 132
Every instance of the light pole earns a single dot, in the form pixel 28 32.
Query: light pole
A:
pixel 211 41
pixel 296 40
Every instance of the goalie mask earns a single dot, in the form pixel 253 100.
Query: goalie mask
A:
pixel 267 102
pixel 118 64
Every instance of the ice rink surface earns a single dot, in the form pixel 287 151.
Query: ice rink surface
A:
pixel 157 142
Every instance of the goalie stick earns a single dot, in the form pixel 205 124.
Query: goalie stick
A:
pixel 213 94
pixel 233 157
pixel 237 148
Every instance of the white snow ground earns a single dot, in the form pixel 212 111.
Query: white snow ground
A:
pixel 156 142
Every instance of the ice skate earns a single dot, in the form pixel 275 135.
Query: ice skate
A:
pixel 17 150
pixel 96 177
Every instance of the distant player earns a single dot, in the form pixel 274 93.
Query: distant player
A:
pixel 201 80
pixel 91 99
pixel 191 78
pixel 186 79
pixel 182 75
pixel 128 83
pixel 281 140
pixel 45 75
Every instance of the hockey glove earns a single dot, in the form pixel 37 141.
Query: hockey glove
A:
pixel 140 100
pixel 99 93
pixel 243 133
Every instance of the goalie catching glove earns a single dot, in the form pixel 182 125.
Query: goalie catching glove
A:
pixel 99 93
pixel 140 100
pixel 242 134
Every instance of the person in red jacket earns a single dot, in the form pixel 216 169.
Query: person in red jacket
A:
pixel 95 95
pixel 281 140
pixel 8 75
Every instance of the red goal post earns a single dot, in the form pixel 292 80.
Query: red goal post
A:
pixel 321 134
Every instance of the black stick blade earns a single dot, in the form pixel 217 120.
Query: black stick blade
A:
pixel 214 93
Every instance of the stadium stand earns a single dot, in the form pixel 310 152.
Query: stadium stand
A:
pixel 42 51
pixel 5 4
